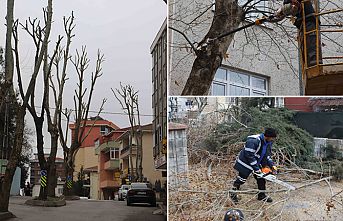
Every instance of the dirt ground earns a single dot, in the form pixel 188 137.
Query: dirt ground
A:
pixel 309 203
pixel 206 197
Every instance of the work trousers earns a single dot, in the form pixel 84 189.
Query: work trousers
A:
pixel 241 179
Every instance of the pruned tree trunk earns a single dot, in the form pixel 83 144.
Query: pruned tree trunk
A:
pixel 40 148
pixel 13 161
pixel 69 172
pixel 130 156
pixel 129 104
pixel 227 17
pixel 51 166
pixel 9 63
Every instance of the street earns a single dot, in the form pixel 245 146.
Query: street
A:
pixel 83 210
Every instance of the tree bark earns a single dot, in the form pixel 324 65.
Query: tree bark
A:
pixel 227 17
pixel 52 179
pixel 13 161
pixel 69 171
pixel 9 63
pixel 43 193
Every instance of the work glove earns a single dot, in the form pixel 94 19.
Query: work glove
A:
pixel 274 170
pixel 258 173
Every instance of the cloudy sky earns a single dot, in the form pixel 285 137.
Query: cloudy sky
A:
pixel 122 30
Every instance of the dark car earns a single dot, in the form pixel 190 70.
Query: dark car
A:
pixel 140 193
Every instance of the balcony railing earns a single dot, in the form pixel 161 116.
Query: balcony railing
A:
pixel 126 150
pixel 112 164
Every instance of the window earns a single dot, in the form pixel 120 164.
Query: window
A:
pixel 238 83
pixel 103 129
pixel 219 89
pixel 256 8
pixel 114 153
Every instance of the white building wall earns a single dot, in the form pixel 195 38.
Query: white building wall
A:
pixel 254 53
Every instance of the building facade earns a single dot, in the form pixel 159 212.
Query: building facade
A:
pixel 150 173
pixel 86 157
pixel 158 51
pixel 109 166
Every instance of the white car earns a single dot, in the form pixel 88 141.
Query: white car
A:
pixel 123 192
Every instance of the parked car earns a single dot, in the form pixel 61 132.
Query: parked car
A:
pixel 141 193
pixel 123 192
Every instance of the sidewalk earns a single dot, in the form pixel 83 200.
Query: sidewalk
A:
pixel 6 215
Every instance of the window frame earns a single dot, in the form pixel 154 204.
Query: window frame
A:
pixel 228 83
pixel 113 151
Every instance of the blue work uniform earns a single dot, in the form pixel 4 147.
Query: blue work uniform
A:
pixel 255 155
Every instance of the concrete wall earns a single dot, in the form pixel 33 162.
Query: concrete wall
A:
pixel 15 187
pixel 94 186
pixel 178 158
pixel 255 52
pixel 319 143
pixel 58 190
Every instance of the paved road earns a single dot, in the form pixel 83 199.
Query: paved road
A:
pixel 83 210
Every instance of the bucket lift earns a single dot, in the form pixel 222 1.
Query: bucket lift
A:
pixel 326 76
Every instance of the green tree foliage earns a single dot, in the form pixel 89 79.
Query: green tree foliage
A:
pixel 8 114
pixel 294 142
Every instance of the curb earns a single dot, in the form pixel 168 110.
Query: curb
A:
pixel 69 198
pixel 163 208
pixel 44 203
pixel 6 215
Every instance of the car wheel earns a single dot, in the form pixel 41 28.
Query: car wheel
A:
pixel 128 203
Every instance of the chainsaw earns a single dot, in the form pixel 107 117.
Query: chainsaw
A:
pixel 267 174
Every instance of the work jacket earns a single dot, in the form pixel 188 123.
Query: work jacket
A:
pixel 255 155
pixel 308 8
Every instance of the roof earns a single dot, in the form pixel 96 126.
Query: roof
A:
pixel 111 136
pixel 99 122
pixel 326 102
pixel 158 35
pixel 145 128
pixel 176 126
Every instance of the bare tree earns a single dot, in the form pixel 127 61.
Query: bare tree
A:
pixel 207 30
pixel 41 45
pixel 128 99
pixel 201 103
pixel 81 109
pixel 54 119
pixel 33 28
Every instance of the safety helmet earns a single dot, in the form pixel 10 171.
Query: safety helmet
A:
pixel 233 215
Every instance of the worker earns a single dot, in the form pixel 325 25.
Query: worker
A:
pixel 294 8
pixel 255 156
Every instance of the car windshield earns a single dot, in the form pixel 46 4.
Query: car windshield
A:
pixel 139 186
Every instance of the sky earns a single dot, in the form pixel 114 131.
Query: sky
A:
pixel 122 30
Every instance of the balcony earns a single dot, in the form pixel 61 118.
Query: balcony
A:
pixel 112 164
pixel 110 184
pixel 126 151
